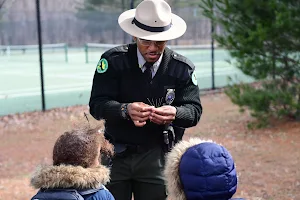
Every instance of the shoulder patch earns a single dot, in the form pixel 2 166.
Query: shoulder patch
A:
pixel 194 78
pixel 102 65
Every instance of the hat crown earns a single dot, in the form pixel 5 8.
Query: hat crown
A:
pixel 154 13
pixel 152 20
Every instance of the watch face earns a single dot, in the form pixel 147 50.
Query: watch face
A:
pixel 124 111
pixel 123 114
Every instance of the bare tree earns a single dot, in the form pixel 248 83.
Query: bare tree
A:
pixel 1 14
pixel 5 4
pixel 2 3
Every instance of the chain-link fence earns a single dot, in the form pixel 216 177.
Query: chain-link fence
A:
pixel 74 35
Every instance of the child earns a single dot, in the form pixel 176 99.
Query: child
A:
pixel 200 170
pixel 76 167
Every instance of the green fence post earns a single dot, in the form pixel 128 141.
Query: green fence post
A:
pixel 66 53
pixel 86 53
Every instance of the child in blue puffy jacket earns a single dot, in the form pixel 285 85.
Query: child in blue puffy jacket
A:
pixel 200 170
pixel 76 157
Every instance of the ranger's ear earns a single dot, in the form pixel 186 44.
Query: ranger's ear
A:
pixel 134 39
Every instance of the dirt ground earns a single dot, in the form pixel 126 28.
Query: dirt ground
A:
pixel 267 160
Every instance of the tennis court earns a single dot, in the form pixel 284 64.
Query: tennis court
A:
pixel 68 76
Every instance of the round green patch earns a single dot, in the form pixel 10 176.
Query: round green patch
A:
pixel 102 65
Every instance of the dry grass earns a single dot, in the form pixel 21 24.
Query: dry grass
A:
pixel 267 160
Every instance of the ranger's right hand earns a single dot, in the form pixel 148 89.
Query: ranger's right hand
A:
pixel 139 113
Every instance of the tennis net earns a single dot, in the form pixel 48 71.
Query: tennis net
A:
pixel 22 49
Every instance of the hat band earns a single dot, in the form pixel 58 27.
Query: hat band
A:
pixel 151 28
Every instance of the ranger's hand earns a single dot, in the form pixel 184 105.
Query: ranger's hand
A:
pixel 139 113
pixel 163 115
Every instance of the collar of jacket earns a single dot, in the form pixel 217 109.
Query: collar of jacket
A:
pixel 67 176
pixel 133 59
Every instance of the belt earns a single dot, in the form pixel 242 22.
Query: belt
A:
pixel 132 148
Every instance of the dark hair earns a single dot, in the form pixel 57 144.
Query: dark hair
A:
pixel 80 147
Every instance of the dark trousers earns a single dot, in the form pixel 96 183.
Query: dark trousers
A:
pixel 138 174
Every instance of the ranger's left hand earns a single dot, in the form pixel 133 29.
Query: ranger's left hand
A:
pixel 163 115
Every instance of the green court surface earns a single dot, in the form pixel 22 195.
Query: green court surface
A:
pixel 68 84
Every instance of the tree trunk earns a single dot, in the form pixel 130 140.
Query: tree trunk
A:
pixel 297 114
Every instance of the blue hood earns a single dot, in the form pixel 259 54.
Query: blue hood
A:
pixel 200 170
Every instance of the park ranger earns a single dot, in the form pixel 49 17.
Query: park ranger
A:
pixel 148 94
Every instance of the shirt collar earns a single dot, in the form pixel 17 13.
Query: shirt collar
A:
pixel 142 61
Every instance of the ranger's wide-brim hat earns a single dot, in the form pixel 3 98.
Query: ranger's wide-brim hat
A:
pixel 152 20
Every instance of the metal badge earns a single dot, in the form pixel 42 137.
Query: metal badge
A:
pixel 170 96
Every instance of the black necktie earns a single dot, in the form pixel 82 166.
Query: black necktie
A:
pixel 148 72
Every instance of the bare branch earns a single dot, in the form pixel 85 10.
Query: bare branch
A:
pixel 2 3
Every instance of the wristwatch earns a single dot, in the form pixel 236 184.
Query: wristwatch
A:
pixel 124 111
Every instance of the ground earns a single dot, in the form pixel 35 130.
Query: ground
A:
pixel 267 160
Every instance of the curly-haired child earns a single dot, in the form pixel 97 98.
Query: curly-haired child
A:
pixel 76 171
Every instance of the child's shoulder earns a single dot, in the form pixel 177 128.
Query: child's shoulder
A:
pixel 102 194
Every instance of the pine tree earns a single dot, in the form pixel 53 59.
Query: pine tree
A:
pixel 263 38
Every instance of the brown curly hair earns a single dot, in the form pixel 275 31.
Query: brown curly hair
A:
pixel 80 147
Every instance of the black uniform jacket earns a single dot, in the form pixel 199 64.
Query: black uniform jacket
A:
pixel 124 82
